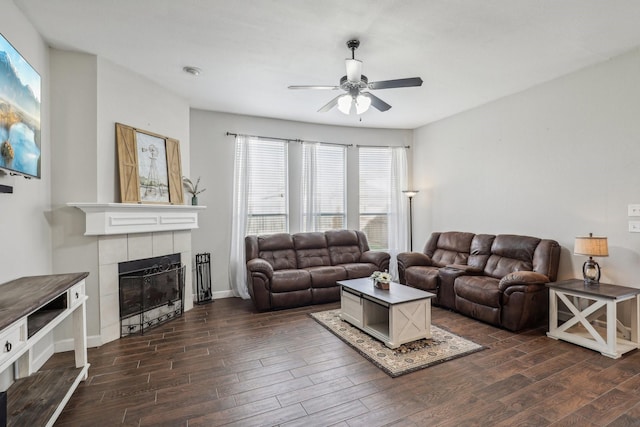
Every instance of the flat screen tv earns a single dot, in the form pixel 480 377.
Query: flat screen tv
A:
pixel 19 113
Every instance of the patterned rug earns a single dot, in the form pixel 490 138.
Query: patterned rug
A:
pixel 409 357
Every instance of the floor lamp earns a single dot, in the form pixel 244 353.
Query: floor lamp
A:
pixel 410 194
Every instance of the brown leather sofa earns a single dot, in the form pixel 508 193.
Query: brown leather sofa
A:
pixel 291 270
pixel 497 279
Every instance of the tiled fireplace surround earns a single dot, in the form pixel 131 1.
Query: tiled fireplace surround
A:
pixel 113 249
pixel 128 232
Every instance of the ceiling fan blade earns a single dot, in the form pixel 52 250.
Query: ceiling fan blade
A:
pixel 378 103
pixel 315 87
pixel 354 70
pixel 389 84
pixel 329 105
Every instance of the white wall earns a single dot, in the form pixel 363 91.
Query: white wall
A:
pixel 91 95
pixel 212 158
pixel 132 99
pixel 74 102
pixel 25 214
pixel 557 161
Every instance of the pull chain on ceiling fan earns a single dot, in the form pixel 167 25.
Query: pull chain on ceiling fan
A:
pixel 354 83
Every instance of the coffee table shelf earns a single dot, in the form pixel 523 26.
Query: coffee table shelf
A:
pixel 395 316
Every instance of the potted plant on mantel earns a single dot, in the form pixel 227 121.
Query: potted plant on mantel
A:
pixel 193 189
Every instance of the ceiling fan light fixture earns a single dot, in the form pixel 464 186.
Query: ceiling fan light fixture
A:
pixel 344 103
pixel 354 82
pixel 363 102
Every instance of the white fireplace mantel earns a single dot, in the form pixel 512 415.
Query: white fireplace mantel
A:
pixel 126 218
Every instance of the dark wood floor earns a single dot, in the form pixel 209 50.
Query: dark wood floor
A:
pixel 224 364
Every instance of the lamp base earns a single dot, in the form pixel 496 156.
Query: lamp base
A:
pixel 591 272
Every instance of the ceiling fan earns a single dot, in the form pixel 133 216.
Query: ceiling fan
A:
pixel 354 83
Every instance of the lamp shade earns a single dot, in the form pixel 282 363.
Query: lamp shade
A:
pixel 344 104
pixel 591 246
pixel 363 101
pixel 410 193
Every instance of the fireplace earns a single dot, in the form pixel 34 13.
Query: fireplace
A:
pixel 151 292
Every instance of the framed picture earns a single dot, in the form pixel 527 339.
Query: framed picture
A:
pixel 149 167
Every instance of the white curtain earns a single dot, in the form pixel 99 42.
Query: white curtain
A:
pixel 310 208
pixel 398 219
pixel 237 266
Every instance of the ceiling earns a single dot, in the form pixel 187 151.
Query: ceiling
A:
pixel 468 52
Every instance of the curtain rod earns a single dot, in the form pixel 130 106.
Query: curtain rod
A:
pixel 289 139
pixel 383 146
pixel 263 137
pixel 275 138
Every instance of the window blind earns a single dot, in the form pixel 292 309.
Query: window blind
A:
pixel 324 187
pixel 375 178
pixel 267 202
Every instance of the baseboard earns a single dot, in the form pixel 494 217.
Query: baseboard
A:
pixel 68 344
pixel 222 294
pixel 41 358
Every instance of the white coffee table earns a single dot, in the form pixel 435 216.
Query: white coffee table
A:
pixel 395 316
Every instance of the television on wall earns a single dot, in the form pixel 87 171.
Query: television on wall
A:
pixel 19 113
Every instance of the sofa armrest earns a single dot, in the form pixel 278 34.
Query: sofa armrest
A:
pixel 259 265
pixel 410 259
pixel 468 270
pixel 381 259
pixel 524 280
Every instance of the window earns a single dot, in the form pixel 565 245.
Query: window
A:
pixel 323 187
pixel 267 198
pixel 375 194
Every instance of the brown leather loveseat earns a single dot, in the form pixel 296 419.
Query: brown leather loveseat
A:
pixel 291 270
pixel 497 279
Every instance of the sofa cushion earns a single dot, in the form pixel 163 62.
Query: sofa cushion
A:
pixel 451 247
pixel 342 238
pixel 323 277
pixel 480 250
pixel 277 250
pixel 422 277
pixel 511 253
pixel 311 249
pixel 478 289
pixel 344 246
pixel 290 280
pixel 358 270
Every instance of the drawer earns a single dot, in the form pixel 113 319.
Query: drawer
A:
pixel 76 293
pixel 12 340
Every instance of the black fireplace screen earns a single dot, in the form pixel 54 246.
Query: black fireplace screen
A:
pixel 150 297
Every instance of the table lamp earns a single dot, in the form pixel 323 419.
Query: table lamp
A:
pixel 591 246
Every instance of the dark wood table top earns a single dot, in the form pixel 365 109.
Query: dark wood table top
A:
pixel 602 290
pixel 396 294
pixel 22 296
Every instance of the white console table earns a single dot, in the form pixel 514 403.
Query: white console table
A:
pixel 30 308
pixel 599 300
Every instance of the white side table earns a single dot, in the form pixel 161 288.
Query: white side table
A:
pixel 588 303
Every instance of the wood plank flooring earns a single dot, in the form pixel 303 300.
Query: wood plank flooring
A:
pixel 225 364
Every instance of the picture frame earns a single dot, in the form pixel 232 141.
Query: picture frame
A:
pixel 149 167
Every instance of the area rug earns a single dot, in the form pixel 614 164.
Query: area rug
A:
pixel 441 347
